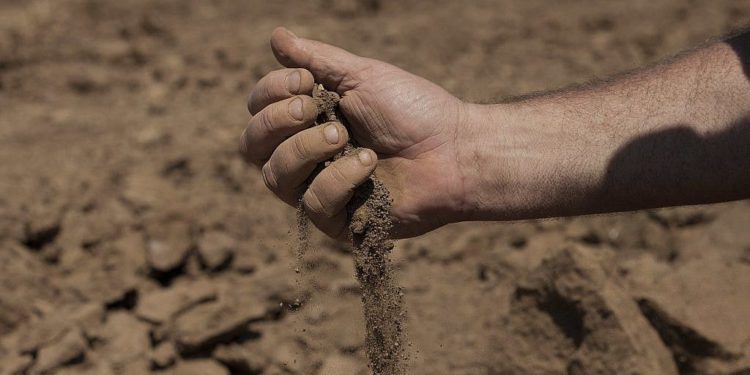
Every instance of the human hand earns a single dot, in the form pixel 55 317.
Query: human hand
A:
pixel 408 128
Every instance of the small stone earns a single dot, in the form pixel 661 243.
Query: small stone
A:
pixel 89 318
pixel 15 364
pixel 247 260
pixel 273 284
pixel 163 355
pixel 578 229
pixel 350 336
pixel 160 333
pixel 168 245
pixel 70 348
pixel 163 305
pixel 58 323
pixel 130 247
pixel 338 364
pixel 163 257
pixel 101 222
pixel 151 135
pixel 216 250
pixel 240 360
pixel 104 286
pixel 125 340
pixel 41 334
pixel 145 188
pixel 290 356
pixel 207 325
pixel 158 98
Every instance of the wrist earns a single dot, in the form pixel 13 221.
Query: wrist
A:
pixel 519 161
pixel 478 145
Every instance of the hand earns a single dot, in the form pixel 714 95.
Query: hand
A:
pixel 407 126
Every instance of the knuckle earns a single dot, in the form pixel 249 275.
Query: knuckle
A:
pixel 246 149
pixel 269 178
pixel 268 88
pixel 299 148
pixel 242 146
pixel 314 204
pixel 249 102
pixel 264 121
pixel 257 96
pixel 338 177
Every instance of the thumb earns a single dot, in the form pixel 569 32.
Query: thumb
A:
pixel 336 69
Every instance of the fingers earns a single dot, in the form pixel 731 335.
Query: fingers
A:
pixel 296 158
pixel 334 67
pixel 279 85
pixel 326 199
pixel 272 125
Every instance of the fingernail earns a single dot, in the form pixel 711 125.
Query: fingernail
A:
pixel 291 34
pixel 365 157
pixel 295 109
pixel 293 80
pixel 331 133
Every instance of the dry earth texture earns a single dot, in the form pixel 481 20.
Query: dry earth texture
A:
pixel 133 240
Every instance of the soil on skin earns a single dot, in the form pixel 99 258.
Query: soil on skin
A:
pixel 134 240
pixel 369 229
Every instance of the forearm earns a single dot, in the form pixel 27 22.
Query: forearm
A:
pixel 677 133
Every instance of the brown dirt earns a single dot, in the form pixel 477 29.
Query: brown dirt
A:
pixel 133 240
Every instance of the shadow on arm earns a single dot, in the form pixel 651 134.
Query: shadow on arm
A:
pixel 679 166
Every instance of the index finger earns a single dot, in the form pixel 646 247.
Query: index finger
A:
pixel 278 85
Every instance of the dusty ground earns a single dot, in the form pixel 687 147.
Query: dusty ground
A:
pixel 133 239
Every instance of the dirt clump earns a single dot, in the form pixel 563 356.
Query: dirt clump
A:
pixel 570 306
pixel 369 230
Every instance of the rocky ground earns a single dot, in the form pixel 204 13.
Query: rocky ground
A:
pixel 133 240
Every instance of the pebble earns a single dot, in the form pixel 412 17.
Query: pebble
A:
pixel 339 364
pixel 168 245
pixel 207 325
pixel 69 348
pixel 216 250
pixel 163 305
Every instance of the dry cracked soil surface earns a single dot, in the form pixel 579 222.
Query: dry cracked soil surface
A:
pixel 133 240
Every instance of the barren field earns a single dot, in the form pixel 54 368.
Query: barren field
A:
pixel 133 239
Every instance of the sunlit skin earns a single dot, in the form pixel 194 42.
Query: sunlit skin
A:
pixel 411 124
pixel 673 134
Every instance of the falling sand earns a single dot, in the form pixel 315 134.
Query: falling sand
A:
pixel 369 228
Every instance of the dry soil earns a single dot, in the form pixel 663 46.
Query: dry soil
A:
pixel 133 239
